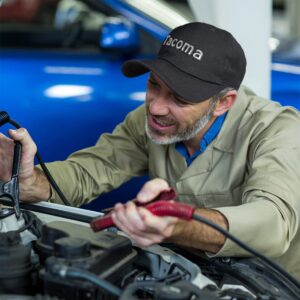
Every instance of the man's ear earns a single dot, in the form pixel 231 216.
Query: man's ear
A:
pixel 225 103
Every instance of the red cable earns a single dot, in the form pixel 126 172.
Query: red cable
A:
pixel 159 208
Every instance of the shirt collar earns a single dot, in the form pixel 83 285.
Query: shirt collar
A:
pixel 209 136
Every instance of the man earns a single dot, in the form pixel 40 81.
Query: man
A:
pixel 234 155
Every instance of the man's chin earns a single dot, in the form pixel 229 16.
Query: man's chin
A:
pixel 162 139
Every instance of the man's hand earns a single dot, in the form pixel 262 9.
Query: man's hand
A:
pixel 6 157
pixel 7 152
pixel 31 179
pixel 140 224
pixel 145 229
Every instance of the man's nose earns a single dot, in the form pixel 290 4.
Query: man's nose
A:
pixel 159 105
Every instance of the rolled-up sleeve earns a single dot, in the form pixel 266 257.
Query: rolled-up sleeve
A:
pixel 262 224
pixel 268 217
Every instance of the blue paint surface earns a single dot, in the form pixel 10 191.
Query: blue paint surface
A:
pixel 66 98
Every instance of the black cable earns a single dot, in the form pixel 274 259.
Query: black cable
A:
pixel 4 118
pixel 51 180
pixel 247 248
pixel 31 223
pixel 35 224
pixel 64 271
pixel 26 226
pixel 14 123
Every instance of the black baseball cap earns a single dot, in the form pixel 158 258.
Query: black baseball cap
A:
pixel 196 61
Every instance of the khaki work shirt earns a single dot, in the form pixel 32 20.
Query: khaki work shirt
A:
pixel 250 173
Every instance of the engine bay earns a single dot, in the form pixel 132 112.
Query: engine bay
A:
pixel 65 259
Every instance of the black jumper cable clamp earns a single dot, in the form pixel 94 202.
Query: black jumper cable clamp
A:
pixel 10 188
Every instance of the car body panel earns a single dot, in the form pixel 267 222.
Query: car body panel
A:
pixel 67 96
pixel 285 79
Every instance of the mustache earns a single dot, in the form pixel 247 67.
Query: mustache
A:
pixel 162 120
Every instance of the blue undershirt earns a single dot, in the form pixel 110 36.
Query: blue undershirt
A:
pixel 209 136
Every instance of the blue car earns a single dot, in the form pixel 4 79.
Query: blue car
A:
pixel 60 63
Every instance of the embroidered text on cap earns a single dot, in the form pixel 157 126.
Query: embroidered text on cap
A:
pixel 183 46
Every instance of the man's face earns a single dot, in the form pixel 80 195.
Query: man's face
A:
pixel 169 118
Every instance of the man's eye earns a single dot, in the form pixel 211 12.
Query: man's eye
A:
pixel 152 82
pixel 180 102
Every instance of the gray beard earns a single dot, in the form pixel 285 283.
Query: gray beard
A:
pixel 187 134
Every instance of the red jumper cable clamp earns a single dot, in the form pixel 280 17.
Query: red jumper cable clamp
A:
pixel 160 206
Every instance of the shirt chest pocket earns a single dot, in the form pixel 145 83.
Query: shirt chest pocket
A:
pixel 207 200
pixel 211 200
pixel 217 200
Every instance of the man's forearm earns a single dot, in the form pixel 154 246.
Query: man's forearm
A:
pixel 36 188
pixel 198 235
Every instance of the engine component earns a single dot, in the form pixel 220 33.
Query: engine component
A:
pixel 105 254
pixel 65 260
pixel 16 266
pixel 181 290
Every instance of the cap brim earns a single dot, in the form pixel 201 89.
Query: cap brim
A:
pixel 184 85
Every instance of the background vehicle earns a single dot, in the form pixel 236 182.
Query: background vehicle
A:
pixel 60 72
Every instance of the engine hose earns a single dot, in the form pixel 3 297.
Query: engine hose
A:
pixel 64 271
